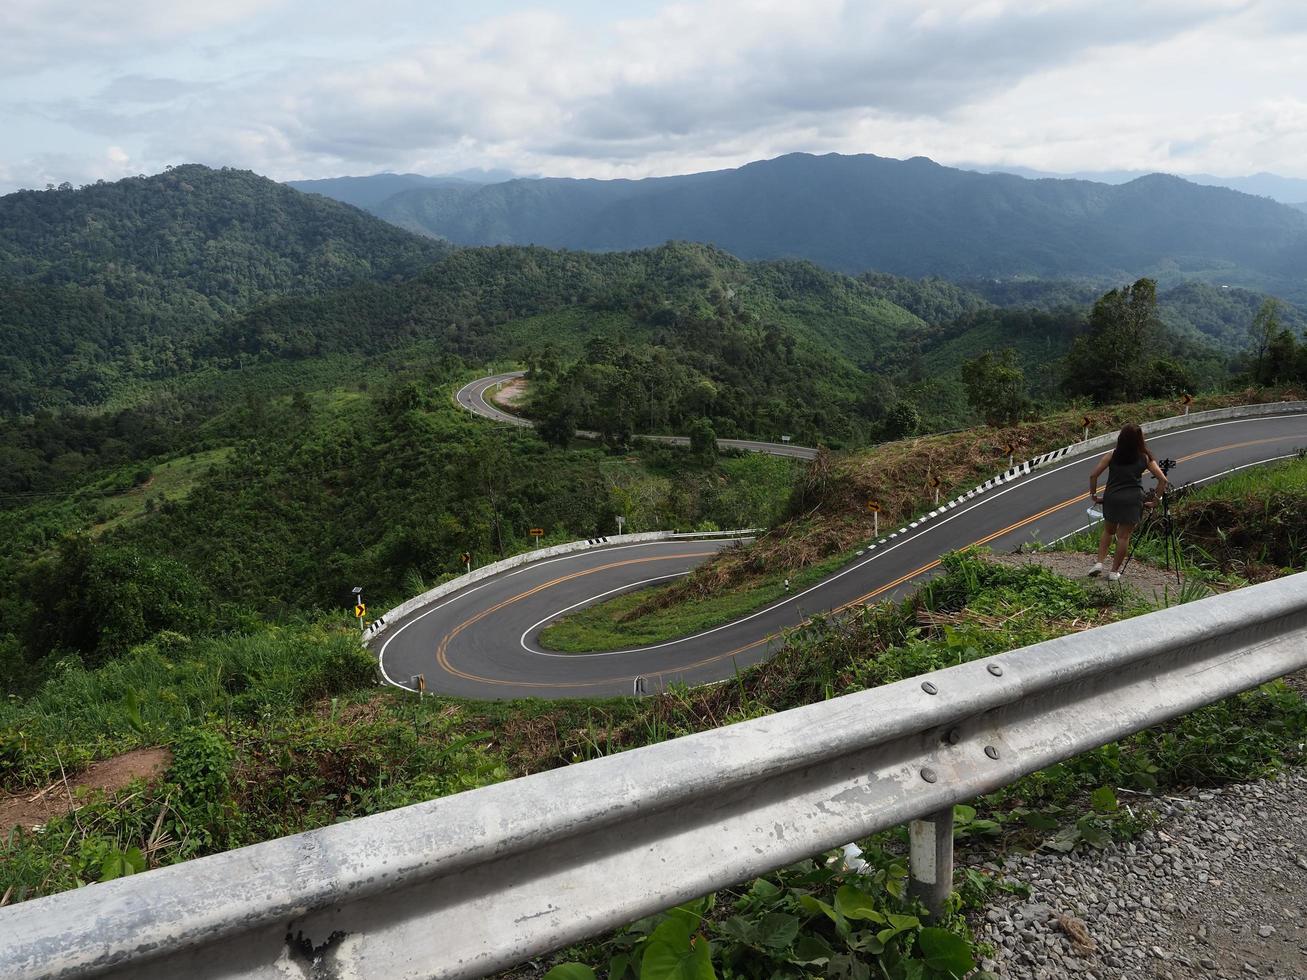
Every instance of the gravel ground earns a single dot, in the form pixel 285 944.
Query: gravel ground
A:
pixel 1152 583
pixel 1217 889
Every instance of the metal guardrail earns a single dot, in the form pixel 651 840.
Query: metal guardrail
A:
pixel 472 883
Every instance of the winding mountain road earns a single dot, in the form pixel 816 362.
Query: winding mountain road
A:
pixel 481 642
pixel 472 396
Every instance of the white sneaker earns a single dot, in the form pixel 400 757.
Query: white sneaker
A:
pixel 1096 570
pixel 1113 576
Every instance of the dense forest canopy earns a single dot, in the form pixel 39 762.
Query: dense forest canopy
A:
pixel 117 281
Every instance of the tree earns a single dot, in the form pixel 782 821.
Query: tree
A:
pixel 1167 379
pixel 1263 331
pixel 996 387
pixel 1281 359
pixel 703 440
pixel 557 425
pixel 1111 363
pixel 903 420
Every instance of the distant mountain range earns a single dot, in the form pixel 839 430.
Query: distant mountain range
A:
pixel 907 217
pixel 1286 190
pixel 368 192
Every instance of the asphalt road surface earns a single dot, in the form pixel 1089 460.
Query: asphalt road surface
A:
pixel 472 396
pixel 481 642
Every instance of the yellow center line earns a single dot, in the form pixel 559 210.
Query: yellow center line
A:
pixel 441 650
pixel 929 566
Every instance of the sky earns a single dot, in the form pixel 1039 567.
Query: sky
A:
pixel 92 89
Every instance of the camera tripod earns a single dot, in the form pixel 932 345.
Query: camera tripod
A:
pixel 1158 518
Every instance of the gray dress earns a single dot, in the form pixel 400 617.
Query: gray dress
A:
pixel 1123 501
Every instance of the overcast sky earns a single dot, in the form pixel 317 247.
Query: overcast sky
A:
pixel 96 89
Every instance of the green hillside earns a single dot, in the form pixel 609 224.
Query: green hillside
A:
pixel 115 281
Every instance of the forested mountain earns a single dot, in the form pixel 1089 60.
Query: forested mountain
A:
pixel 368 192
pixel 1286 190
pixel 907 217
pixel 116 280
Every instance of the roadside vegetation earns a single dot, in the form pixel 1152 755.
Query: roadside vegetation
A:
pixel 251 507
pixel 283 729
pixel 1247 527
pixel 827 520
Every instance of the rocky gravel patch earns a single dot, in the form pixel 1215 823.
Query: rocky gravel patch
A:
pixel 1150 582
pixel 1216 889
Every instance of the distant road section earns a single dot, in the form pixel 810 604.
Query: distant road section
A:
pixel 472 397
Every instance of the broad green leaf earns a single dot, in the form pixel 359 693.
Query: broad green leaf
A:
pixel 853 903
pixel 817 907
pixel 1103 800
pixel 765 891
pixel 1040 821
pixel 846 967
pixel 1092 834
pixel 136 859
pixel 570 971
pixel 778 930
pixel 866 941
pixel 670 954
pixel 120 864
pixel 692 913
pixel 896 879
pixel 741 930
pixel 963 813
pixel 811 949
pixel 945 952
pixel 617 966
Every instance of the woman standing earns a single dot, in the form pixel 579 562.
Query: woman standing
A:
pixel 1123 502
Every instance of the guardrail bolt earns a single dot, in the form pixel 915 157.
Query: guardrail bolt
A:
pixel 929 775
pixel 991 751
pixel 953 737
pixel 929 688
pixel 996 670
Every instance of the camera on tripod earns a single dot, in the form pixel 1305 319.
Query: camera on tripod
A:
pixel 1165 465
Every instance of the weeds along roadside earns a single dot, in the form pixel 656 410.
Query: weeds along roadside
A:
pixel 283 731
pixel 828 520
pixel 1248 527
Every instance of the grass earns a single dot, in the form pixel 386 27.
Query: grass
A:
pixel 619 623
pixel 1287 476
pixel 828 513
pixel 294 734
pixel 170 480
pixel 1247 526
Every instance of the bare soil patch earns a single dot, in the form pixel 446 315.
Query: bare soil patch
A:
pixel 29 809
pixel 512 395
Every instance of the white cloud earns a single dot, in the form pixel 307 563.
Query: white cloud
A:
pixel 40 34
pixel 1059 84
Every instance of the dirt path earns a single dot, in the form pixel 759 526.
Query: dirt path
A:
pixel 34 809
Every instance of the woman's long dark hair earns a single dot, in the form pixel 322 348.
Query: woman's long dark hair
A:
pixel 1130 446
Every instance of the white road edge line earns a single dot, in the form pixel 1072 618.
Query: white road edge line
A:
pixel 381 654
pixel 1191 483
pixel 1076 461
pixel 583 602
